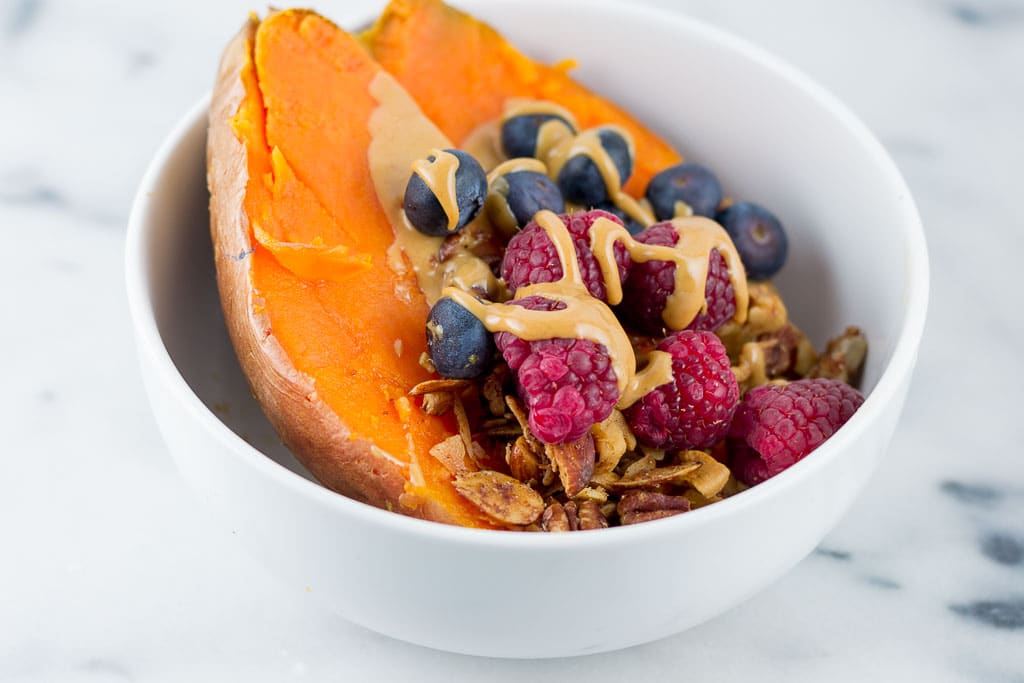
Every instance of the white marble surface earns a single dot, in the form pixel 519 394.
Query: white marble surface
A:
pixel 110 573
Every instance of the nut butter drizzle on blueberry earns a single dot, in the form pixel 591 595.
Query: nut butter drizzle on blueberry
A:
pixel 439 176
pixel 697 236
pixel 553 131
pixel 588 143
pixel 495 205
pixel 557 144
pixel 583 317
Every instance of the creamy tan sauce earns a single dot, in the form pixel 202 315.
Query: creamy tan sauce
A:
pixel 583 317
pixel 439 175
pixel 556 145
pixel 657 372
pixel 518 106
pixel 400 135
pixel 484 144
pixel 471 274
pixel 697 237
pixel 496 204
pixel 681 209
pixel 515 166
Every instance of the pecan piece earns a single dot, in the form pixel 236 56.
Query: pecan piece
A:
pixel 589 515
pixel 556 518
pixel 574 461
pixel 643 506
pixel 500 497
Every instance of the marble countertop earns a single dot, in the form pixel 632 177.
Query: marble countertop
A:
pixel 110 572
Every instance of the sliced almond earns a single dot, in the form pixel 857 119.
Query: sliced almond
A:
pixel 519 413
pixel 594 493
pixel 437 402
pixel 443 384
pixel 604 480
pixel 502 498
pixel 639 467
pixel 574 461
pixel 462 420
pixel 673 474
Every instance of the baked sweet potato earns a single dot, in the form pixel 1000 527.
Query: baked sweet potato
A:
pixel 328 333
pixel 443 56
pixel 324 311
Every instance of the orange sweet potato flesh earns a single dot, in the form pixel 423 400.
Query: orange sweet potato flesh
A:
pixel 461 71
pixel 301 240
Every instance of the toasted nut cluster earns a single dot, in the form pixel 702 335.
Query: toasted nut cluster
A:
pixel 843 358
pixel 605 478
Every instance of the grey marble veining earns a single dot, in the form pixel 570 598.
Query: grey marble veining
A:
pixel 110 573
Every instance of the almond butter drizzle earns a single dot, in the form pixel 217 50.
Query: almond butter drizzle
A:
pixel 519 106
pixel 484 143
pixel 583 317
pixel 515 166
pixel 439 176
pixel 399 136
pixel 469 273
pixel 496 204
pixel 556 145
pixel 697 236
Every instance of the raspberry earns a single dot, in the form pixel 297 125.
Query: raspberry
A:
pixel 776 426
pixel 651 282
pixel 694 409
pixel 531 257
pixel 568 385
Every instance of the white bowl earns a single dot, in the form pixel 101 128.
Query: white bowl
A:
pixel 857 257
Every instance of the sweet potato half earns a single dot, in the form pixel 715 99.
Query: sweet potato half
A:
pixel 327 330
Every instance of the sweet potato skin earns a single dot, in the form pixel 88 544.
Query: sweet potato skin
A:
pixel 316 435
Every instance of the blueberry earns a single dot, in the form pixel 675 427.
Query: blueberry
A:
pixel 580 179
pixel 423 208
pixel 758 236
pixel 632 226
pixel 519 133
pixel 521 194
pixel 459 344
pixel 690 183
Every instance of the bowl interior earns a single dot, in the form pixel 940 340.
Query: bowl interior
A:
pixel 771 136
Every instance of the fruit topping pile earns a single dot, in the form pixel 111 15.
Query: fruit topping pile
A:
pixel 632 359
